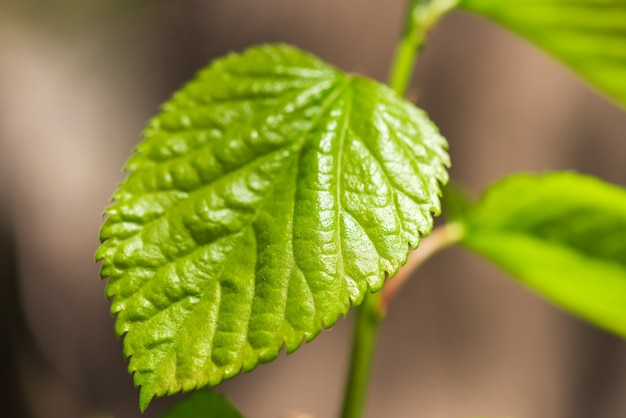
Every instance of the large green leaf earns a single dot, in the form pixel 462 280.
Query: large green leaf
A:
pixel 270 194
pixel 203 404
pixel 563 235
pixel 587 35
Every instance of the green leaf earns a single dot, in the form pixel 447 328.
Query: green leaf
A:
pixel 203 404
pixel 561 234
pixel 270 194
pixel 587 35
pixel 457 201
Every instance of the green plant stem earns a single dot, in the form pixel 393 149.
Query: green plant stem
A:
pixel 373 310
pixel 420 18
pixel 366 325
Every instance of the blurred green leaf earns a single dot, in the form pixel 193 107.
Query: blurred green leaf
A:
pixel 203 404
pixel 270 194
pixel 561 234
pixel 587 35
pixel 457 201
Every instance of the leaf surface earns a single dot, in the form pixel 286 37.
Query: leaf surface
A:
pixel 587 35
pixel 203 404
pixel 561 234
pixel 270 194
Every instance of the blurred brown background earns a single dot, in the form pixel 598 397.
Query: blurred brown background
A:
pixel 78 80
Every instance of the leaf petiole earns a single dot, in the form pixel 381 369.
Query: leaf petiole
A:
pixel 442 237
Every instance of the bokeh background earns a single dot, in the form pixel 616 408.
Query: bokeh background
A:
pixel 78 80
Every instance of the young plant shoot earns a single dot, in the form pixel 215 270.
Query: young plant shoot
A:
pixel 274 192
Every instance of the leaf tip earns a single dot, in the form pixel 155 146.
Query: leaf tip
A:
pixel 145 398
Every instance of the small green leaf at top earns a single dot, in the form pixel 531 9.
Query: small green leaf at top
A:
pixel 203 404
pixel 587 35
pixel 562 235
pixel 269 195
